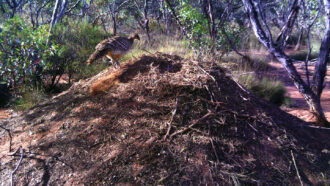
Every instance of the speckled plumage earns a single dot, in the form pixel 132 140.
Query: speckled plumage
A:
pixel 113 48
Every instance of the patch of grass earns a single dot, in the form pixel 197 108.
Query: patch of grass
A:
pixel 159 43
pixel 256 62
pixel 272 91
pixel 87 71
pixel 28 98
pixel 302 54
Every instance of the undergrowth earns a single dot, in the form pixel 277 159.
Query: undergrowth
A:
pixel 28 98
pixel 272 91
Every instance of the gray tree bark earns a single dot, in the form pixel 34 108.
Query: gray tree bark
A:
pixel 62 11
pixel 321 65
pixel 312 99
pixel 52 22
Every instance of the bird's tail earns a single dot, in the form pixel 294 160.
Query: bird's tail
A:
pixel 95 56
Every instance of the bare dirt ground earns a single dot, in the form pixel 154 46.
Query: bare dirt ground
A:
pixel 298 105
pixel 4 114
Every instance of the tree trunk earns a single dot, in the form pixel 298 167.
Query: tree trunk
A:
pixel 113 16
pixel 146 20
pixel 299 39
pixel 283 37
pixel 208 9
pixel 52 23
pixel 114 22
pixel 177 19
pixel 312 99
pixel 321 65
pixel 62 11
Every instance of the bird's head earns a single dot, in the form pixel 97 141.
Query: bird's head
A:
pixel 135 36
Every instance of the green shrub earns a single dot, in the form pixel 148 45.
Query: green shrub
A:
pixel 21 49
pixel 255 62
pixel 77 41
pixel 28 98
pixel 272 91
pixel 302 54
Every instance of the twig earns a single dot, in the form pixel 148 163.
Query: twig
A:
pixel 13 153
pixel 213 78
pixel 192 125
pixel 19 163
pixel 74 6
pixel 295 165
pixel 10 137
pixel 215 152
pixel 170 123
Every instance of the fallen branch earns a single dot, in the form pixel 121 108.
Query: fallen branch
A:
pixel 192 125
pixel 10 137
pixel 215 152
pixel 295 165
pixel 212 77
pixel 19 163
pixel 170 123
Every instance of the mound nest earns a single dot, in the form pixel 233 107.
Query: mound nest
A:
pixel 161 119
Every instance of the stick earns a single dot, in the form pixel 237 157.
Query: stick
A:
pixel 215 152
pixel 170 123
pixel 19 163
pixel 295 165
pixel 10 137
pixel 192 125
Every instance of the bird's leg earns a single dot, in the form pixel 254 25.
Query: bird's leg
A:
pixel 117 62
pixel 110 59
pixel 113 60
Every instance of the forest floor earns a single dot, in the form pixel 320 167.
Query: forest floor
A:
pixel 298 106
pixel 165 120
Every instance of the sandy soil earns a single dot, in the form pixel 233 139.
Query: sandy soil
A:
pixel 298 106
pixel 4 114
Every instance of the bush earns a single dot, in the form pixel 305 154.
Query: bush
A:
pixel 255 62
pixel 22 50
pixel 272 91
pixel 77 41
pixel 28 98
pixel 302 54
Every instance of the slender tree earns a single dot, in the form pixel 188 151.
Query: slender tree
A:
pixel 311 94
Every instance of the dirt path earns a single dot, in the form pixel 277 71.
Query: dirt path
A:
pixel 298 106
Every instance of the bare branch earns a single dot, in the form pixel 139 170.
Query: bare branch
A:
pixel 193 124
pixel 170 123
pixel 297 171
pixel 177 19
pixel 19 163
pixel 73 7
pixel 287 28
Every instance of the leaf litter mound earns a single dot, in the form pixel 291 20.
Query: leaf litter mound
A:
pixel 162 119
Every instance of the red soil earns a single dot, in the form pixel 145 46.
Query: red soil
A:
pixel 299 107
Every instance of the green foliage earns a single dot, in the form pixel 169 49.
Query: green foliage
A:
pixel 272 91
pixel 20 51
pixel 28 98
pixel 76 40
pixel 302 54
pixel 196 25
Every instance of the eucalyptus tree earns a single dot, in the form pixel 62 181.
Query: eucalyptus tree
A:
pixel 311 93
pixel 13 5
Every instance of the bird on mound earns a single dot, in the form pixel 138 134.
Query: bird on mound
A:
pixel 113 48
